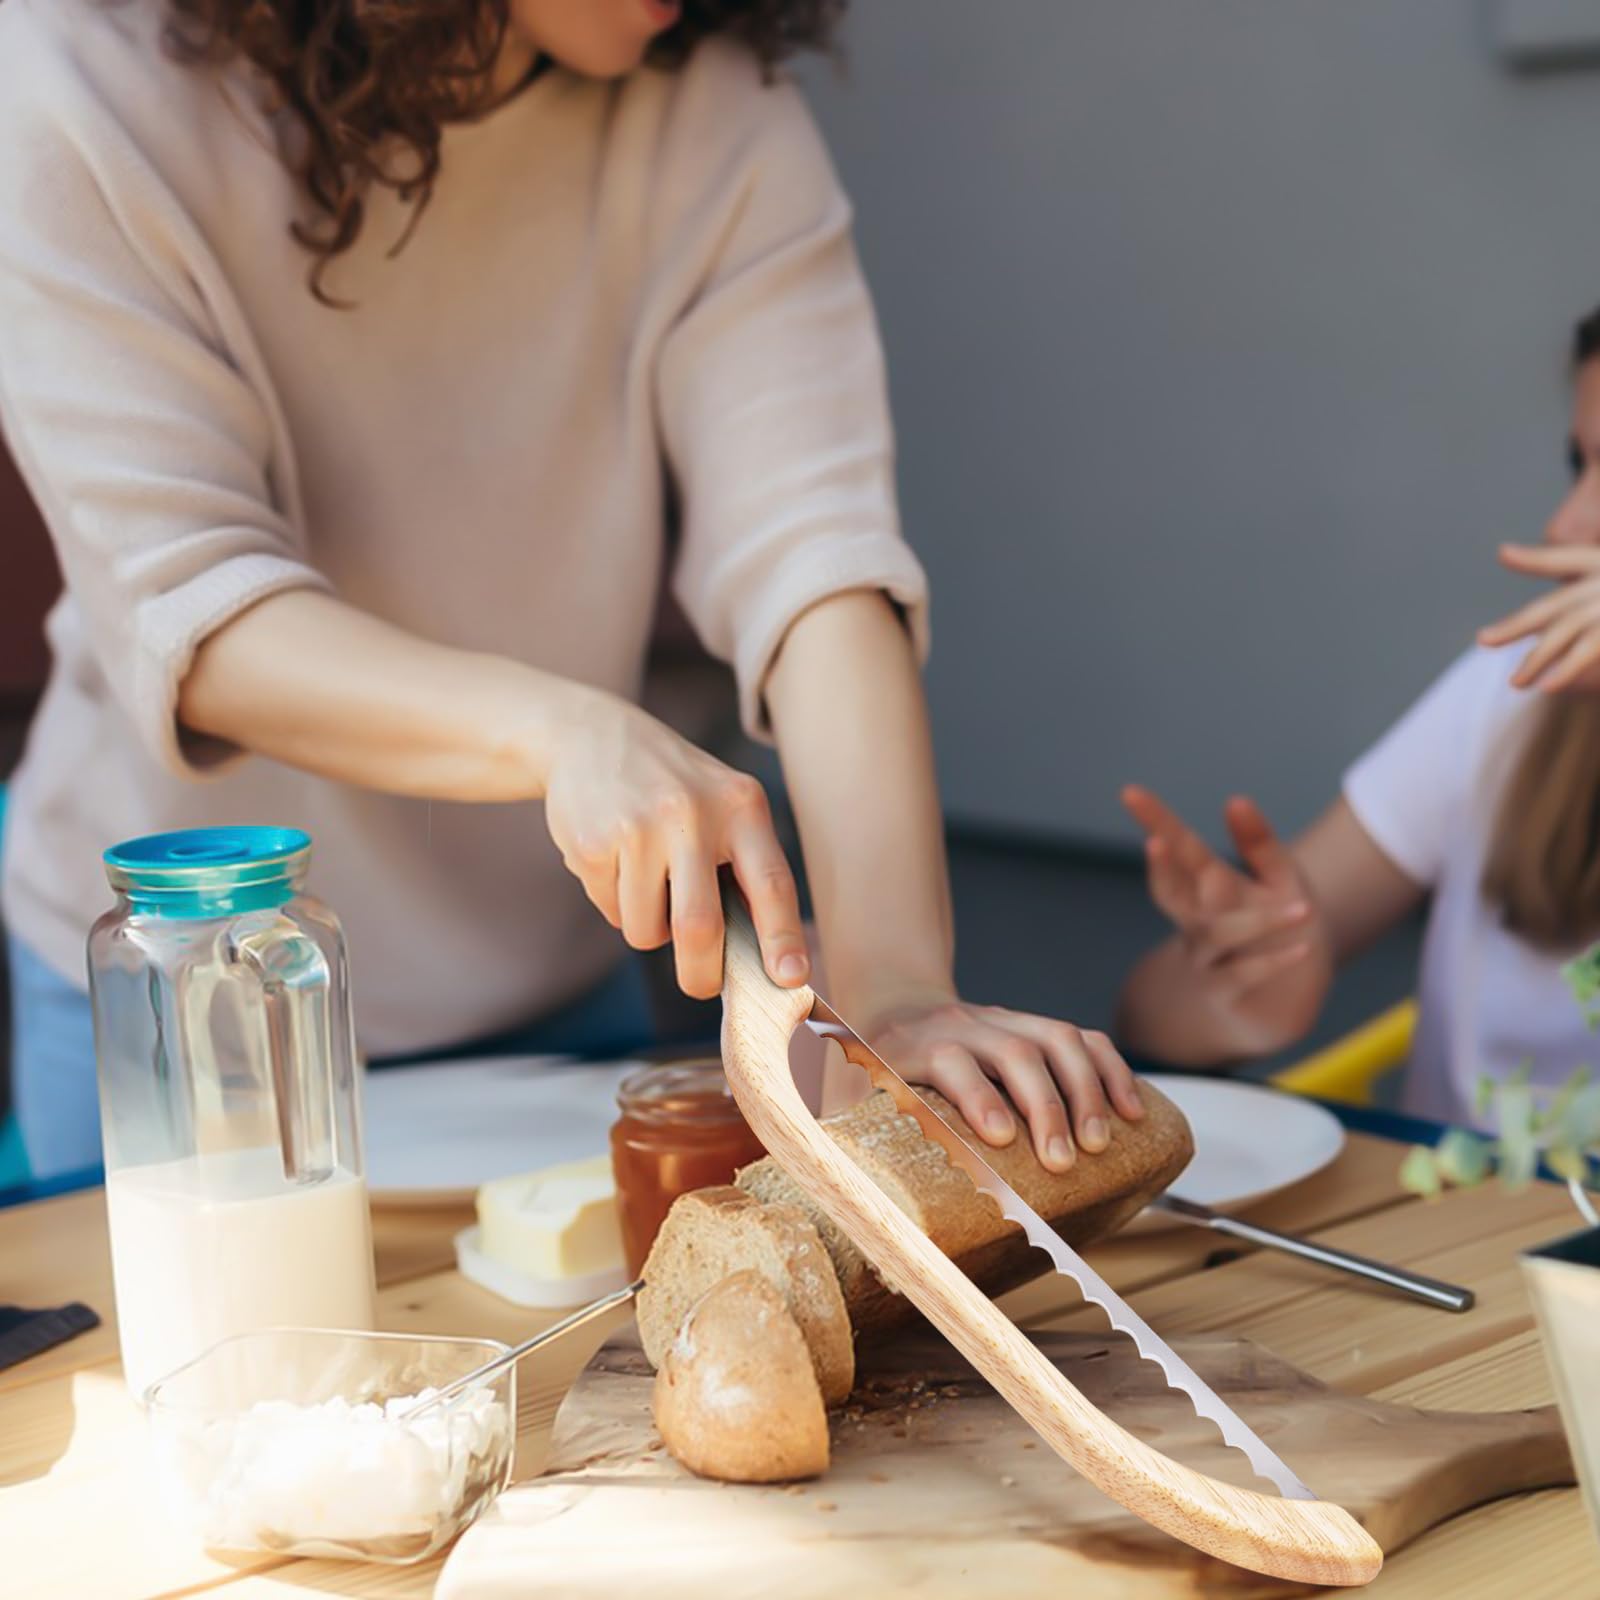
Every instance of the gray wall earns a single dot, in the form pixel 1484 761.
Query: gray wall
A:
pixel 1226 341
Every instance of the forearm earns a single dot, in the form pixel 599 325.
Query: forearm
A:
pixel 851 721
pixel 310 681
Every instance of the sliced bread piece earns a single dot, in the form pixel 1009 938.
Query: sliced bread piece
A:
pixel 736 1395
pixel 1094 1197
pixel 713 1233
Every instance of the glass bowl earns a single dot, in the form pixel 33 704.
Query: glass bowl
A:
pixel 282 1441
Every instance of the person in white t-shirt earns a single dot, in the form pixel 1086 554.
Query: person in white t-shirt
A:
pixel 1485 795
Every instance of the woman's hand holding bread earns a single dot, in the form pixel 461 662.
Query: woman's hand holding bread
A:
pixel 879 884
pixel 1066 1081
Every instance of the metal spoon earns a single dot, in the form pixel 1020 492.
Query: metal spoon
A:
pixel 509 1358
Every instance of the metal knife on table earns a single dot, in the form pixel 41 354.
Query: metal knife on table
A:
pixel 1448 1296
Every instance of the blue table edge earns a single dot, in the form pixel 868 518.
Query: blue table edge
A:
pixel 1383 1124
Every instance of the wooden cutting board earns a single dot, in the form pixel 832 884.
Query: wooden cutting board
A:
pixel 938 1489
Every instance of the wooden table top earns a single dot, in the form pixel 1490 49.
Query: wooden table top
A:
pixel 78 1520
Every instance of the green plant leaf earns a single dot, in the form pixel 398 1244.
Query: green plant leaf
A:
pixel 1583 976
pixel 1462 1157
pixel 1483 1096
pixel 1519 1145
pixel 1419 1172
pixel 1579 1123
pixel 1567 1163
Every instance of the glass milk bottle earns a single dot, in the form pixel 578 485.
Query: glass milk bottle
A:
pixel 229 1097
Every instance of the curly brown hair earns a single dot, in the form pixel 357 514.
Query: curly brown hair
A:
pixel 370 83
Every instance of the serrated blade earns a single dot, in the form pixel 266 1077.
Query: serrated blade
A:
pixel 828 1024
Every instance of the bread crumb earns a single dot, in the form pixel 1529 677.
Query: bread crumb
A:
pixel 827 1505
pixel 877 1477
pixel 1007 1481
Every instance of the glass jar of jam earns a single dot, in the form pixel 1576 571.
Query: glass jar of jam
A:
pixel 680 1129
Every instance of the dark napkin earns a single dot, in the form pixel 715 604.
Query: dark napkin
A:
pixel 31 1333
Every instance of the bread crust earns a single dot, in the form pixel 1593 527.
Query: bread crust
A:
pixel 736 1395
pixel 1093 1198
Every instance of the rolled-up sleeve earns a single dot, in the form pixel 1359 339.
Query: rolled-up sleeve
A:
pixel 148 451
pixel 774 409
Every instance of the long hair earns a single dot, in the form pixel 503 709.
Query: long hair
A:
pixel 1543 869
pixel 371 83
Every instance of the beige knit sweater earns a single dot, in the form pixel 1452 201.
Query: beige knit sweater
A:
pixel 615 286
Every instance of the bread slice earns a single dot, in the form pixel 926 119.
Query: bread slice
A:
pixel 712 1233
pixel 1094 1197
pixel 736 1395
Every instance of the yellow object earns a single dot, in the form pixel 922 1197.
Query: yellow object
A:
pixel 557 1223
pixel 1347 1069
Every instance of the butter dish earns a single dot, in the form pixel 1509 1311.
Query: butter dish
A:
pixel 521 1288
pixel 547 1238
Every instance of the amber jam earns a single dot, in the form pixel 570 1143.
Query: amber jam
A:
pixel 680 1129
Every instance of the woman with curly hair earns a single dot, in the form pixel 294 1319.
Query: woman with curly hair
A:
pixel 361 355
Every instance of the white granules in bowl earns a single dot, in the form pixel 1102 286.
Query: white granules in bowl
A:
pixel 281 1475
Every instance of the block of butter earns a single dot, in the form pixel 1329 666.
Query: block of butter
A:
pixel 547 1237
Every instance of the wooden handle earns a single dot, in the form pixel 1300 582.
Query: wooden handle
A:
pixel 1306 1541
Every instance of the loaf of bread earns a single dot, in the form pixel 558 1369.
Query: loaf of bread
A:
pixel 1091 1199
pixel 736 1395
pixel 767 1229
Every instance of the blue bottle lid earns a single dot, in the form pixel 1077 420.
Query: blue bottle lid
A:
pixel 209 872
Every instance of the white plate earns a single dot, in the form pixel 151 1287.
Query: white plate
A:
pixel 434 1132
pixel 1250 1141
